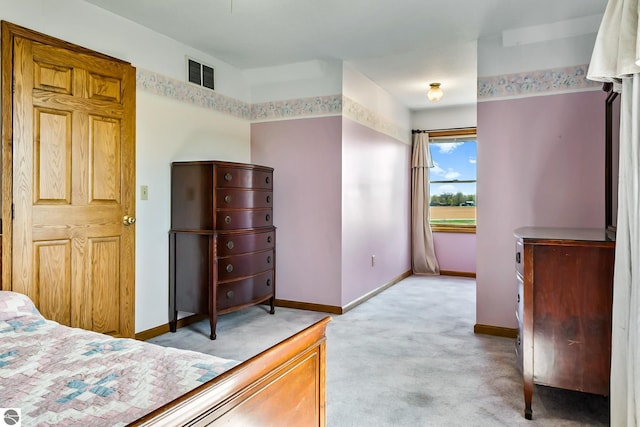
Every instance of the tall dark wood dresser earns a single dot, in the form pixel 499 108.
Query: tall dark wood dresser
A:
pixel 564 307
pixel 222 240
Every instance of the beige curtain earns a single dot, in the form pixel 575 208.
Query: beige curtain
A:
pixel 423 256
pixel 616 59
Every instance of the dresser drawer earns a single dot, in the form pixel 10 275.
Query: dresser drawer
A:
pixel 519 257
pixel 238 266
pixel 236 198
pixel 230 177
pixel 520 303
pixel 245 291
pixel 236 220
pixel 234 244
pixel 518 351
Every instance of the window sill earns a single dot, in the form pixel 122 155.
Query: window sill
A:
pixel 437 228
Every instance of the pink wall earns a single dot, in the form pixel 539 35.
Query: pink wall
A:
pixel 376 192
pixel 341 194
pixel 456 251
pixel 306 157
pixel 540 163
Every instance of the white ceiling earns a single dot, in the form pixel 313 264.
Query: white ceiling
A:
pixel 402 45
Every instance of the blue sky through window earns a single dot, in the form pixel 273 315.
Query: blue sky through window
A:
pixel 453 161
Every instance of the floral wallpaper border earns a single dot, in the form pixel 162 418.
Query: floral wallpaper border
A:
pixel 301 107
pixel 535 83
pixel 191 94
pixel 276 110
pixel 372 120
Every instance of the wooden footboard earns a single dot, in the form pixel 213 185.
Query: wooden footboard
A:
pixel 282 386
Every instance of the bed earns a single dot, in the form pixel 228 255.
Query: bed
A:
pixel 58 375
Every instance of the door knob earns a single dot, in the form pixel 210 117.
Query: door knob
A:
pixel 128 220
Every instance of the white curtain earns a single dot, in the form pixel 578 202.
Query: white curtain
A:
pixel 616 59
pixel 423 256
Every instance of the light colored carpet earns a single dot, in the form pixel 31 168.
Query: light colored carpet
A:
pixel 407 357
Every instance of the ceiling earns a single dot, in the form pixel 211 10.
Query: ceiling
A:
pixel 402 45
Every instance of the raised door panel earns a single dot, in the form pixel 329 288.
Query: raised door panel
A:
pixel 52 157
pixel 52 271
pixel 104 278
pixel 53 78
pixel 104 148
pixel 105 88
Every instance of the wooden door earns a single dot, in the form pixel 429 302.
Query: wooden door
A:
pixel 73 183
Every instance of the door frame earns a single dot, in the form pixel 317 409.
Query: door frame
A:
pixel 9 33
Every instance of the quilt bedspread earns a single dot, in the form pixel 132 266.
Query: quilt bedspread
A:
pixel 66 376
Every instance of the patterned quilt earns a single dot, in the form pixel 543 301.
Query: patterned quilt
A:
pixel 66 376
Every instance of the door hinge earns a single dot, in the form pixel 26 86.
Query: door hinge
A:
pixel 13 211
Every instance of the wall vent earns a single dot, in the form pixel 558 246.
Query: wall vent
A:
pixel 200 74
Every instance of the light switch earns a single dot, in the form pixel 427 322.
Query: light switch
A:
pixel 144 192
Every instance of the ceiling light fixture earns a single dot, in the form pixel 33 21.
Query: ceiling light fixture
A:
pixel 435 93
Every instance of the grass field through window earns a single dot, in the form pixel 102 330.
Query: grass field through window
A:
pixel 453 222
pixel 453 215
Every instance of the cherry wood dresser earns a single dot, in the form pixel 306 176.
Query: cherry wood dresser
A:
pixel 564 306
pixel 222 239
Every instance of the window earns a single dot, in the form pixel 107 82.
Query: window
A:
pixel 452 180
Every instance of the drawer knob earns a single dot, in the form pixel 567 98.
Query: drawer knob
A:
pixel 518 257
pixel 229 268
pixel 269 239
pixel 227 198
pixel 268 199
pixel 267 217
pixel 268 282
pixel 267 180
pixel 230 244
pixel 228 176
pixel 229 294
pixel 269 259
pixel 227 219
